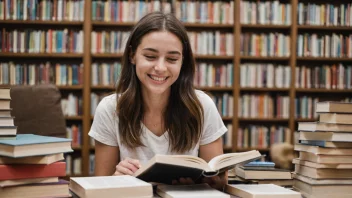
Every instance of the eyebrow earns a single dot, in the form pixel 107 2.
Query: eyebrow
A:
pixel 154 50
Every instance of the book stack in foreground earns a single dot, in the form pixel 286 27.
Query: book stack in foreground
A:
pixel 7 128
pixel 324 166
pixel 260 173
pixel 31 165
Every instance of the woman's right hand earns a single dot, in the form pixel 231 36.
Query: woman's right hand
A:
pixel 127 167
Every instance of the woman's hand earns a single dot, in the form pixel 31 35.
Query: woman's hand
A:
pixel 183 181
pixel 217 182
pixel 127 167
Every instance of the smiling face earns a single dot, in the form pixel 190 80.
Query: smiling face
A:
pixel 158 61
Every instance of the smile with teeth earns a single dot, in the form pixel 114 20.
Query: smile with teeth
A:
pixel 159 79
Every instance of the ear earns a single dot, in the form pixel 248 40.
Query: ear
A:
pixel 132 56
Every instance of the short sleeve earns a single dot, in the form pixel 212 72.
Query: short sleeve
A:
pixel 104 128
pixel 213 127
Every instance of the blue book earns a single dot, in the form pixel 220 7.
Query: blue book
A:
pixel 33 145
pixel 260 164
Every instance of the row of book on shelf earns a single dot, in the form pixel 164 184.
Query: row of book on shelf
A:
pixel 45 10
pixel 335 76
pixel 41 41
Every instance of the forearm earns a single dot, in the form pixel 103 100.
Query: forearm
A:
pixel 106 159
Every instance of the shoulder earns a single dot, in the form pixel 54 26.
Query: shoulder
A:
pixel 108 103
pixel 204 99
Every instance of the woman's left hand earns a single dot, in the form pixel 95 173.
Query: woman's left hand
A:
pixel 217 182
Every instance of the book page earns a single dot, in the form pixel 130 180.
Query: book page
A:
pixel 108 182
pixel 264 189
pixel 230 159
pixel 190 191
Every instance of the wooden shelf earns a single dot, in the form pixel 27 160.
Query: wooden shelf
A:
pixel 213 57
pixel 227 118
pixel 227 148
pixel 264 89
pixel 215 88
pixel 41 55
pixel 107 55
pixel 323 59
pixel 70 87
pixel 265 58
pixel 263 119
pixel 103 87
pixel 252 148
pixel 113 24
pixel 261 26
pixel 306 119
pixel 41 22
pixel 187 25
pixel 73 117
pixel 323 90
pixel 320 27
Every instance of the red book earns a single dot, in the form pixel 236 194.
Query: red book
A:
pixel 26 171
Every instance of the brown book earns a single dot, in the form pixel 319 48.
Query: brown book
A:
pixel 5 112
pixel 165 168
pixel 334 107
pixel 321 150
pixel 323 173
pixel 319 165
pixel 260 191
pixel 110 187
pixel 325 159
pixel 58 189
pixel 263 174
pixel 312 181
pixel 5 103
pixel 5 93
pixel 318 190
pixel 16 182
pixel 327 144
pixel 336 118
pixel 326 136
pixel 319 126
pixel 43 159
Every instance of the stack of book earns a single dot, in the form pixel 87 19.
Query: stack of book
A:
pixel 7 128
pixel 30 166
pixel 324 166
pixel 260 173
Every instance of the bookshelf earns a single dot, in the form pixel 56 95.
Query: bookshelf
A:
pixel 291 28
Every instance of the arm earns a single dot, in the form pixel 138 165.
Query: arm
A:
pixel 207 152
pixel 106 158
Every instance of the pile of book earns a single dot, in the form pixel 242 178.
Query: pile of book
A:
pixel 30 165
pixel 324 166
pixel 258 172
pixel 7 128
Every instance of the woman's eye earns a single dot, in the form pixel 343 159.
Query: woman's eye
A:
pixel 172 59
pixel 150 57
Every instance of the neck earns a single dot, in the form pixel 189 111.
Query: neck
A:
pixel 155 104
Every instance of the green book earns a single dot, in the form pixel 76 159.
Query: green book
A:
pixel 33 145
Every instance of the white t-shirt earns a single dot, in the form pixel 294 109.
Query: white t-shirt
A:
pixel 105 130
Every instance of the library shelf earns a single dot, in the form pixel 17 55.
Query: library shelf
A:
pixel 253 148
pixel 265 58
pixel 321 27
pixel 241 119
pixel 70 87
pixel 215 88
pixel 40 55
pixel 334 59
pixel 264 89
pixel 266 26
pixel 42 22
pixel 73 117
pixel 102 87
pixel 312 90
pixel 306 119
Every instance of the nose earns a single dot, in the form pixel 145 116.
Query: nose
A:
pixel 160 65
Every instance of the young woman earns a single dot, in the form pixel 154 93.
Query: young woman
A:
pixel 156 109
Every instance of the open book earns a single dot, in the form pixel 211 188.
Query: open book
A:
pixel 165 168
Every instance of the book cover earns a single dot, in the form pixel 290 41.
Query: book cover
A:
pixel 33 145
pixel 261 191
pixel 165 168
pixel 189 191
pixel 26 171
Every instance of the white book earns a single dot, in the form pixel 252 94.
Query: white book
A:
pixel 189 191
pixel 110 187
pixel 261 191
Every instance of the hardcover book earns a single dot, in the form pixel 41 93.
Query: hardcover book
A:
pixel 165 168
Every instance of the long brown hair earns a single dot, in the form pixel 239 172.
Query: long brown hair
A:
pixel 183 116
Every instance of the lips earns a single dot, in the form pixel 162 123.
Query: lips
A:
pixel 159 79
